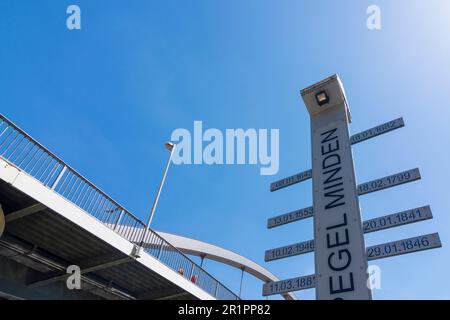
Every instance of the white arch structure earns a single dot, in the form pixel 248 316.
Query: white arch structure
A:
pixel 206 250
pixel 213 252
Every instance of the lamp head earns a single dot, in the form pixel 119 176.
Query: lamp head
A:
pixel 325 95
pixel 169 146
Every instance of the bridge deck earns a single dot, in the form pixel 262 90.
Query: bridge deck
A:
pixel 48 243
pixel 56 218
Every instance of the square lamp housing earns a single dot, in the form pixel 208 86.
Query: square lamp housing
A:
pixel 322 98
pixel 325 95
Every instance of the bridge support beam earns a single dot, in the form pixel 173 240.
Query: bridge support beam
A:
pixel 163 294
pixel 24 212
pixel 99 267
pixel 174 296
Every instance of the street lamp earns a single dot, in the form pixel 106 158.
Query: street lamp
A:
pixel 171 148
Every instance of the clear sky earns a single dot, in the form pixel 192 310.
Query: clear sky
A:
pixel 106 97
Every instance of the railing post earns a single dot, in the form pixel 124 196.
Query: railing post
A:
pixel 118 219
pixel 192 271
pixel 59 177
pixel 160 250
pixel 217 289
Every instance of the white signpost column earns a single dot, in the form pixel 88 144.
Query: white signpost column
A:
pixel 338 245
pixel 340 259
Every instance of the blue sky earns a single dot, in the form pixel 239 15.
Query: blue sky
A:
pixel 106 97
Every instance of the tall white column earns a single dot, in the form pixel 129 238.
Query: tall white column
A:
pixel 340 259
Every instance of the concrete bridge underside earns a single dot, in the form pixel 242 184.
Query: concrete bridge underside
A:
pixel 39 244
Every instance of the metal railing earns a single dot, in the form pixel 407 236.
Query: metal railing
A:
pixel 20 149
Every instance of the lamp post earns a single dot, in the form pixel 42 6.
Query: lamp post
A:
pixel 171 148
